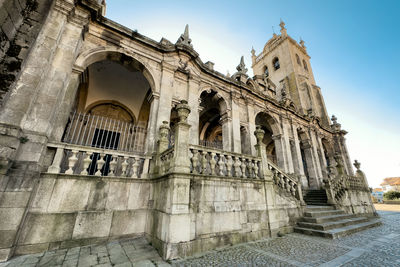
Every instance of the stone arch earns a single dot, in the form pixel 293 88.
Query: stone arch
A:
pixel 272 137
pixel 223 104
pixel 90 107
pixel 91 56
pixel 214 120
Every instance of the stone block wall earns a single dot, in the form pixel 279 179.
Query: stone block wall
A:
pixel 21 21
pixel 212 212
pixel 68 211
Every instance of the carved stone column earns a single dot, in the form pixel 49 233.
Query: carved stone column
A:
pixel 279 150
pixel 181 160
pixel 226 123
pixel 261 152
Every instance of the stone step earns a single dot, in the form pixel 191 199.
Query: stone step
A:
pixel 332 224
pixel 316 203
pixel 330 218
pixel 323 213
pixel 339 232
pixel 319 207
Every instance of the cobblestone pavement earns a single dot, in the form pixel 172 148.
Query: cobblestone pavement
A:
pixel 378 246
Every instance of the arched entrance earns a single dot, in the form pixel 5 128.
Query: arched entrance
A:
pixel 213 128
pixel 111 109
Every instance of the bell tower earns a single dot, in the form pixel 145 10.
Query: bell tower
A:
pixel 286 63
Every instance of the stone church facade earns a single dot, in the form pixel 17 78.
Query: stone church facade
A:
pixel 107 134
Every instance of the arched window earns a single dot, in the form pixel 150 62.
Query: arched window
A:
pixel 298 59
pixel 266 72
pixel 276 64
pixel 305 65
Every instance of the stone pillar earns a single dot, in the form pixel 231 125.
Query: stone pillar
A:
pixel 280 152
pixel 193 119
pixel 261 152
pixel 309 158
pixel 226 123
pixel 252 127
pixel 171 218
pixel 299 158
pixel 314 144
pixel 236 138
pixel 324 167
pixel 181 160
pixel 151 128
pixel 286 144
pixel 163 111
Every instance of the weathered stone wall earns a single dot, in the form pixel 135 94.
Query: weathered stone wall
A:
pixel 221 212
pixel 21 21
pixel 69 211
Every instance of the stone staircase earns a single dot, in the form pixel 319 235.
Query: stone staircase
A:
pixel 321 219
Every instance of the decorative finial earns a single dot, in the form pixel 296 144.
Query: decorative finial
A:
pixel 283 29
pixel 334 119
pixel 357 165
pixel 184 38
pixel 302 43
pixel 241 68
pixel 282 24
pixel 253 52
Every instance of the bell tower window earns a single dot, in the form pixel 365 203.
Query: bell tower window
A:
pixel 276 64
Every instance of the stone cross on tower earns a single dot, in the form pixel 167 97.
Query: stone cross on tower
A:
pixel 283 29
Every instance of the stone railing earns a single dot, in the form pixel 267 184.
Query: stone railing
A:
pixel 338 188
pixel 357 183
pixel 215 162
pixel 82 160
pixel 166 161
pixel 285 182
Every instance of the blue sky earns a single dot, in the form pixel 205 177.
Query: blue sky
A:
pixel 354 49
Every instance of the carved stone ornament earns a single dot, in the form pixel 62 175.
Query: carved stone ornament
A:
pixel 357 165
pixel 184 38
pixel 259 133
pixel 183 110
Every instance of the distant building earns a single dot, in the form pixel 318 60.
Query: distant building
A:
pixel 378 194
pixel 391 184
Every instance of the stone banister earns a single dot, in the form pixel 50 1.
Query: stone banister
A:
pixel 82 160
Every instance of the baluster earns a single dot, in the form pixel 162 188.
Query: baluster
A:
pixel 213 162
pixel 236 166
pixel 287 185
pixel 204 162
pixel 255 169
pixel 135 167
pixel 228 165
pixel 195 161
pixel 124 166
pixel 113 165
pixel 243 167
pixel 86 163
pixel 221 164
pixel 100 164
pixel 292 188
pixel 55 166
pixel 281 181
pixel 72 161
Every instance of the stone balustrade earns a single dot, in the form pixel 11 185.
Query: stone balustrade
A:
pixel 81 160
pixel 357 183
pixel 215 162
pixel 282 180
pixel 166 160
